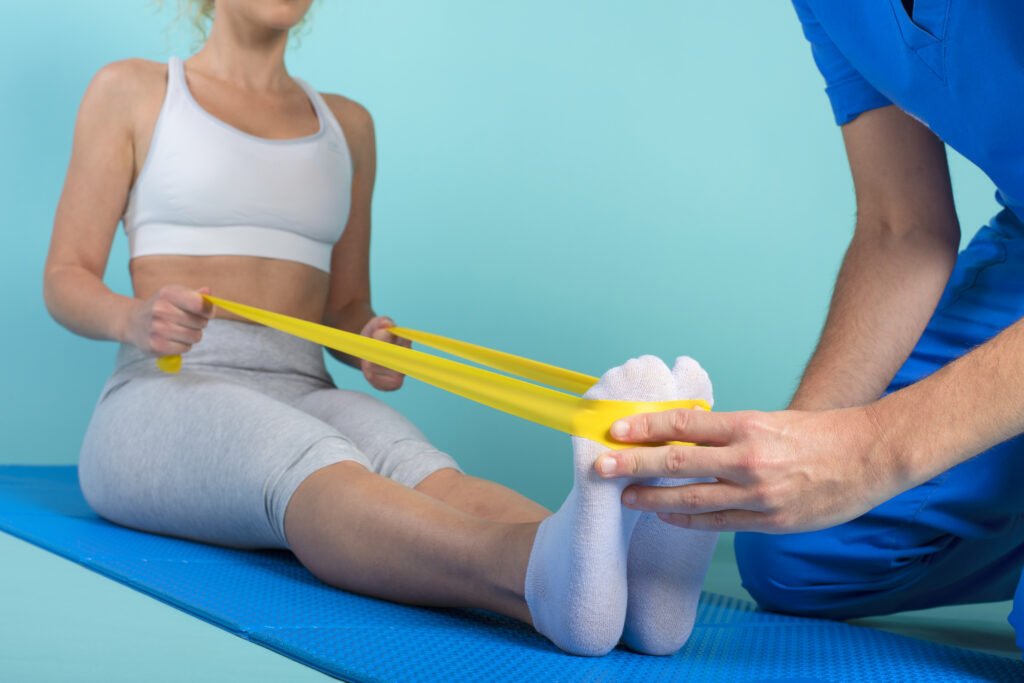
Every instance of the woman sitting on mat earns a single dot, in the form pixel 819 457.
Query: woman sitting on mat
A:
pixel 233 177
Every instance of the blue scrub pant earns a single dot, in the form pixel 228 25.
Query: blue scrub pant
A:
pixel 958 538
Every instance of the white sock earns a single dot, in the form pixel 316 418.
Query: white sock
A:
pixel 667 564
pixel 576 578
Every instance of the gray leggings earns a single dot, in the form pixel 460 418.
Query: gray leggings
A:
pixel 215 452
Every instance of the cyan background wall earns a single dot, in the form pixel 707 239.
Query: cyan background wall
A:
pixel 578 182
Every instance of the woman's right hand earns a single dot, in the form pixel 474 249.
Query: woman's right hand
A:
pixel 169 322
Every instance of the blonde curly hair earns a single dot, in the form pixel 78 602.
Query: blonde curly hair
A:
pixel 198 12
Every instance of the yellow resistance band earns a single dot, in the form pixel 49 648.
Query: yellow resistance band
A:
pixel 567 413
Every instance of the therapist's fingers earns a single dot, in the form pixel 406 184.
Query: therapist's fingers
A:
pixel 682 424
pixel 691 498
pixel 722 520
pixel 676 461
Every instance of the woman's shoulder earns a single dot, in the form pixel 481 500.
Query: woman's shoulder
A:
pixel 347 108
pixel 354 118
pixel 122 91
pixel 129 77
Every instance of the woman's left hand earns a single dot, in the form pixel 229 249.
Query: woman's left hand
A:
pixel 380 377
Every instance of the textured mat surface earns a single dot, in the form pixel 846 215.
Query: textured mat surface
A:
pixel 266 597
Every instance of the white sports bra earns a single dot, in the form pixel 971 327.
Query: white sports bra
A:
pixel 208 188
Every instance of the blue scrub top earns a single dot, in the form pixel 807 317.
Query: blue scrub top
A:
pixel 955 65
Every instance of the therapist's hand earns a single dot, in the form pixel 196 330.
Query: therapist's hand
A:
pixel 776 472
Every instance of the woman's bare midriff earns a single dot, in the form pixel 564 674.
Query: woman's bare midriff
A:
pixel 287 287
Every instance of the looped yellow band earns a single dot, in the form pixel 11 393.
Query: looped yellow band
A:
pixel 567 413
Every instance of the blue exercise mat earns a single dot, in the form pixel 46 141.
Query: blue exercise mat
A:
pixel 268 598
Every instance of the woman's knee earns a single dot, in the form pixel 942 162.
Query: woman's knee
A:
pixel 331 518
pixel 318 497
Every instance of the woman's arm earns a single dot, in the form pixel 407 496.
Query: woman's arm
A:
pixel 348 301
pixel 896 266
pixel 95 192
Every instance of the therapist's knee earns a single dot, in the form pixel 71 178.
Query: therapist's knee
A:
pixel 775 571
pixel 1016 618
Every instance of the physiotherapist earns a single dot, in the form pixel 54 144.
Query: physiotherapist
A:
pixel 895 480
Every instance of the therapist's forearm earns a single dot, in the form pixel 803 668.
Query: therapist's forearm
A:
pixel 887 289
pixel 963 409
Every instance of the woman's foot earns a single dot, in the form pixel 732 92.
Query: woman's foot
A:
pixel 576 586
pixel 667 564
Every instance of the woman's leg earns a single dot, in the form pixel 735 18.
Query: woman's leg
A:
pixel 399 451
pixel 361 532
pixel 481 498
pixel 223 460
pixel 199 456
pixel 371 534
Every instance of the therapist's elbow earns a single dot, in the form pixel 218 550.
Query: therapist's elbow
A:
pixel 938 237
